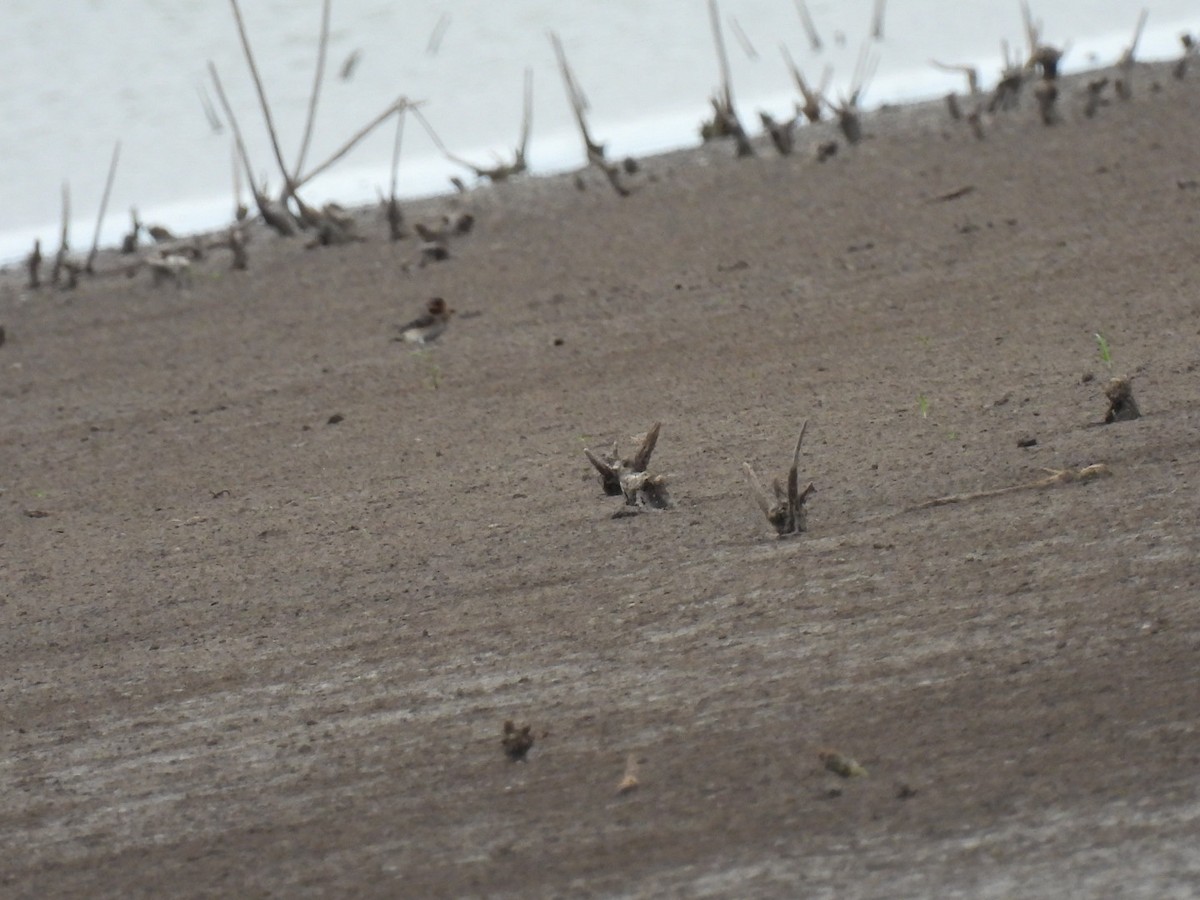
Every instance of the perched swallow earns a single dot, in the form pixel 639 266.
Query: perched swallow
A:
pixel 429 325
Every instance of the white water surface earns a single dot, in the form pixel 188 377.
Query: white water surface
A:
pixel 82 74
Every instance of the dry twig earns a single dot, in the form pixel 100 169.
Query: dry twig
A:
pixel 595 151
pixel 725 118
pixel 60 258
pixel 814 39
pixel 812 97
pixel 89 266
pixel 787 514
pixel 629 478
pixel 1055 478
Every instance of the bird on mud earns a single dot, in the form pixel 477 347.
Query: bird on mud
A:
pixel 429 325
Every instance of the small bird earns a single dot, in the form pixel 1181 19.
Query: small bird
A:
pixel 429 325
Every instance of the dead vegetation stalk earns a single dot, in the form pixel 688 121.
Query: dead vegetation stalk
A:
pixel 318 78
pixel 89 267
pixel 595 151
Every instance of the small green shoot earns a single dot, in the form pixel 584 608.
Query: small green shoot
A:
pixel 923 406
pixel 1105 349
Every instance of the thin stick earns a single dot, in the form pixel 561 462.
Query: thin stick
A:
pixel 396 154
pixel 595 152
pixel 289 189
pixel 399 104
pixel 233 122
pixel 322 47
pixel 526 117
pixel 239 210
pixel 282 224
pixel 60 257
pixel 722 58
pixel 112 174
pixel 726 114
pixel 1127 57
pixel 809 28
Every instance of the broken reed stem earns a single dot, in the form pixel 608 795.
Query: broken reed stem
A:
pixel 281 221
pixel 578 105
pixel 288 188
pixel 722 58
pixel 400 104
pixel 810 29
pixel 396 155
pixel 60 257
pixel 233 122
pixel 112 174
pixel 726 116
pixel 595 152
pixel 239 209
pixel 1127 58
pixel 322 48
pixel 526 117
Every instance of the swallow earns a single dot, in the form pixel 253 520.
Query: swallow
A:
pixel 429 325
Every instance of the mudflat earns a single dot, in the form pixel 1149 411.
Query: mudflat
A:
pixel 271 582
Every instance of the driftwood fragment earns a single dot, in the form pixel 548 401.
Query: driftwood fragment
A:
pixel 628 477
pixel 1121 405
pixel 1055 478
pixel 787 514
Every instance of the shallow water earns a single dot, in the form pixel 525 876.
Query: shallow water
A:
pixel 133 71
